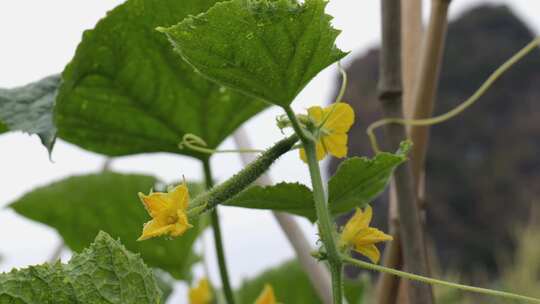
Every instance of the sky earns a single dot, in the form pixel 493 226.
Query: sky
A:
pixel 38 38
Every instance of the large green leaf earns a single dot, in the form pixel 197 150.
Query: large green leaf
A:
pixel 78 207
pixel 269 49
pixel 294 198
pixel 104 273
pixel 126 91
pixel 358 180
pixel 29 109
pixel 290 283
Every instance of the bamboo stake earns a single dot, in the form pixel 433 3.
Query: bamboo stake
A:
pixel 390 95
pixel 425 89
pixel 411 37
pixel 317 273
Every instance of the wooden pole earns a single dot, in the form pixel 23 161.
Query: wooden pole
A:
pixel 425 88
pixel 411 38
pixel 390 95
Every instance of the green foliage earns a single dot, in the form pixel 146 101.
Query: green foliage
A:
pixel 269 49
pixel 294 198
pixel 358 180
pixel 29 109
pixel 126 91
pixel 78 207
pixel 355 290
pixel 104 273
pixel 290 283
pixel 522 273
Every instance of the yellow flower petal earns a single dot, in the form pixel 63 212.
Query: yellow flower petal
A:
pixel 336 144
pixel 303 155
pixel 154 228
pixel 356 224
pixel 201 294
pixel 315 113
pixel 179 196
pixel 155 203
pixel 168 212
pixel 369 251
pixel 267 296
pixel 361 237
pixel 320 151
pixel 371 236
pixel 339 117
pixel 181 225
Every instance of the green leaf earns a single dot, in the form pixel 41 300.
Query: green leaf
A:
pixel 356 183
pixel 29 109
pixel 294 198
pixel 104 273
pixel 78 207
pixel 354 290
pixel 36 285
pixel 359 180
pixel 126 91
pixel 290 283
pixel 269 49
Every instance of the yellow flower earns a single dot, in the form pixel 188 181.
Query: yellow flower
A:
pixel 201 294
pixel 168 212
pixel 361 237
pixel 333 123
pixel 267 296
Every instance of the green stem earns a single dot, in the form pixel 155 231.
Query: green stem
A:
pixel 326 226
pixel 410 276
pixel 218 241
pixel 238 182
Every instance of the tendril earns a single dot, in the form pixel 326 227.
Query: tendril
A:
pixel 195 143
pixel 457 110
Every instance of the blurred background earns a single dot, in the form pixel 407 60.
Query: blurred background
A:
pixel 483 172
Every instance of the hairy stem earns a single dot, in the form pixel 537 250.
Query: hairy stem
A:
pixel 218 240
pixel 325 223
pixel 431 281
pixel 238 182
